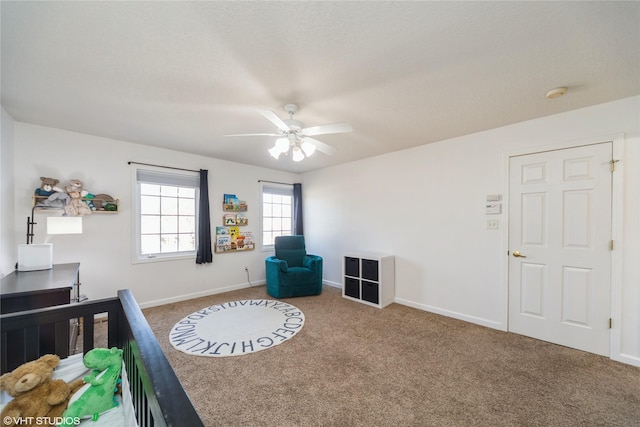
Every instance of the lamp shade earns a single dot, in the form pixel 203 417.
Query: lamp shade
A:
pixel 64 225
pixel 308 148
pixel 275 152
pixel 297 154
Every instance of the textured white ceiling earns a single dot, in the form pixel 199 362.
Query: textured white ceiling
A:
pixel 181 75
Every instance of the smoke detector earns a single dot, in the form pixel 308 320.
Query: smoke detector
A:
pixel 556 92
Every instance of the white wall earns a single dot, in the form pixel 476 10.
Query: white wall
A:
pixel 104 249
pixel 8 246
pixel 425 205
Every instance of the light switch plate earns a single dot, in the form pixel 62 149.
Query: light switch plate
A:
pixel 492 224
pixel 493 208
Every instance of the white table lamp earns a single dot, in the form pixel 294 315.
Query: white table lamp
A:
pixel 64 225
pixel 40 256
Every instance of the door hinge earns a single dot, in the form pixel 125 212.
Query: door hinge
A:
pixel 610 323
pixel 610 245
pixel 613 164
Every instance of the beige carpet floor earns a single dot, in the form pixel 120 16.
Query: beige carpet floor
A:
pixel 355 365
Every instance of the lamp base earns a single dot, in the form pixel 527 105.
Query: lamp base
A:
pixel 35 257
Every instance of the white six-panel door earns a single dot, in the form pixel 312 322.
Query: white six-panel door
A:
pixel 559 254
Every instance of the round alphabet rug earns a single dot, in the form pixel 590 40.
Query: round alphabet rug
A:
pixel 236 328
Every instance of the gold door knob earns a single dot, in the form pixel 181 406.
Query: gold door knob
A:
pixel 518 254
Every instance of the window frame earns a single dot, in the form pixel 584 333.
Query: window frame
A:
pixel 184 179
pixel 282 189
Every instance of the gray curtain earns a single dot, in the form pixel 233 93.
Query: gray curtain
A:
pixel 204 253
pixel 297 210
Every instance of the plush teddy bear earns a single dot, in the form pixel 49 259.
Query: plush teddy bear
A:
pixel 75 206
pixel 74 185
pixel 36 397
pixel 47 186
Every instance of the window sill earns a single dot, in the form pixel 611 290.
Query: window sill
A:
pixel 162 258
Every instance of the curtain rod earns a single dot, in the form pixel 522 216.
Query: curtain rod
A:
pixel 275 182
pixel 160 166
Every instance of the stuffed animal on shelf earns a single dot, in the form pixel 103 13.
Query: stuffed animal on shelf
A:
pixel 74 185
pixel 36 397
pixel 98 395
pixel 47 186
pixel 104 202
pixel 76 207
pixel 56 200
pixel 88 199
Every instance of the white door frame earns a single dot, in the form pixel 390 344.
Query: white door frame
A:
pixel 617 141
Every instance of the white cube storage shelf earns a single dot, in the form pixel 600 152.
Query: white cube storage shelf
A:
pixel 369 278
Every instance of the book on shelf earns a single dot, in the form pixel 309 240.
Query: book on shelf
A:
pixel 229 219
pixel 241 219
pixel 233 232
pixel 230 199
pixel 222 230
pixel 223 240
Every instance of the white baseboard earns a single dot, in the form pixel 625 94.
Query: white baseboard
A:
pixel 627 358
pixel 471 319
pixel 332 284
pixel 200 294
pixel 448 313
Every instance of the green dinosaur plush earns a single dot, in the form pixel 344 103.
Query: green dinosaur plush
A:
pixel 102 382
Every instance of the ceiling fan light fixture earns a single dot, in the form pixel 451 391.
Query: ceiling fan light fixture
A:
pixel 297 154
pixel 282 144
pixel 275 152
pixel 293 135
pixel 308 148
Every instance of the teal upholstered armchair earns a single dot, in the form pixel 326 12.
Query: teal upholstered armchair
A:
pixel 292 272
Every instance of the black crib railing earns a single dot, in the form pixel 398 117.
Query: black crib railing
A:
pixel 158 396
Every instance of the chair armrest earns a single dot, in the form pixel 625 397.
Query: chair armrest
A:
pixel 280 264
pixel 310 261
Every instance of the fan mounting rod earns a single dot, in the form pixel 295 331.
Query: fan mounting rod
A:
pixel 291 109
pixel 295 126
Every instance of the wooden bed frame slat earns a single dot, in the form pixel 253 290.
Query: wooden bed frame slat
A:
pixel 61 337
pixel 31 341
pixel 157 394
pixel 88 331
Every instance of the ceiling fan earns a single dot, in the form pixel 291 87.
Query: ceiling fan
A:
pixel 293 135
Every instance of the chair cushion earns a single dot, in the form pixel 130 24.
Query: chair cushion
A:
pixel 299 276
pixel 291 249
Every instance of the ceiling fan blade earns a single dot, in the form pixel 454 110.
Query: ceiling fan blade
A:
pixel 321 146
pixel 254 134
pixel 326 129
pixel 273 118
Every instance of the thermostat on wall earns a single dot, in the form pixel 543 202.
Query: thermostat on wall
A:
pixel 493 208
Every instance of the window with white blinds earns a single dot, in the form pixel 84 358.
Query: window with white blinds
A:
pixel 166 214
pixel 277 212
